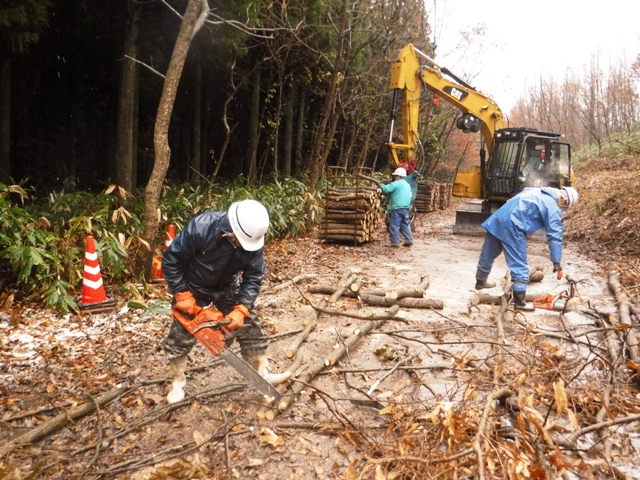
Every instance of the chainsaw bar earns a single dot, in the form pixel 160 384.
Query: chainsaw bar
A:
pixel 250 375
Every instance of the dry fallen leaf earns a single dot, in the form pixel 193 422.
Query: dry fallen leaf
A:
pixel 560 395
pixel 572 418
pixel 198 438
pixel 351 473
pixel 380 474
pixel 272 438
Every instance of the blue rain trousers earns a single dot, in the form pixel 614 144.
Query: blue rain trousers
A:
pixel 399 224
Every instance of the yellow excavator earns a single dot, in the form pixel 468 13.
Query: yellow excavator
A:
pixel 510 158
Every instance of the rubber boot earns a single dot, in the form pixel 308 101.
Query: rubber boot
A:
pixel 178 380
pixel 480 284
pixel 259 363
pixel 520 303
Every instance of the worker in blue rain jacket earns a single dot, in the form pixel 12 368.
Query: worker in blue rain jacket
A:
pixel 508 229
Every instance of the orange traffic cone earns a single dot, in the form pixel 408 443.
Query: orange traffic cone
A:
pixel 156 263
pixel 94 298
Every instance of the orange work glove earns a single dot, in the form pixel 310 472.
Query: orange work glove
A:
pixel 236 317
pixel 557 268
pixel 185 302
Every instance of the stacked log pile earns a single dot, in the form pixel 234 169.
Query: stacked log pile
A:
pixel 351 214
pixel 444 194
pixel 432 196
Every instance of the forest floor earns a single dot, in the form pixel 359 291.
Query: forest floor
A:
pixel 461 390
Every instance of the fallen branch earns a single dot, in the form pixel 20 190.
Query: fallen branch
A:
pixel 292 281
pixel 370 317
pixel 386 375
pixel 347 279
pixel 597 426
pixel 63 419
pixel 313 370
pixel 499 391
pixel 624 309
pixel 295 345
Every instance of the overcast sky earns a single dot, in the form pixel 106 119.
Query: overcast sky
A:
pixel 525 39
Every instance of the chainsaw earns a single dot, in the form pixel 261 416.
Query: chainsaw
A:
pixel 206 326
pixel 552 302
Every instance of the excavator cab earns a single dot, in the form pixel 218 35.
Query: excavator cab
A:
pixel 520 158
pixel 524 157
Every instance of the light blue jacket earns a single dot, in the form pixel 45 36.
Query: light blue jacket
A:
pixel 524 214
pixel 412 180
pixel 399 194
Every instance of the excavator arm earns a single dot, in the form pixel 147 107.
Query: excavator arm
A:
pixel 510 158
pixel 409 82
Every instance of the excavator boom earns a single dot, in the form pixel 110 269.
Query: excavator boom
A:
pixel 509 158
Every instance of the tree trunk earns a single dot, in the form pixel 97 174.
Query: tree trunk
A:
pixel 192 20
pixel 196 131
pixel 299 164
pixel 276 131
pixel 5 120
pixel 321 140
pixel 134 133
pixel 254 123
pixel 288 131
pixel 124 156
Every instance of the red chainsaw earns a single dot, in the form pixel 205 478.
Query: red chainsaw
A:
pixel 207 326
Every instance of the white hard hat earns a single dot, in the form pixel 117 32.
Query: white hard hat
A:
pixel 400 172
pixel 249 222
pixel 570 195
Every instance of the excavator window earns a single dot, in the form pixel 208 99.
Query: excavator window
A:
pixel 502 168
pixel 559 165
pixel 535 164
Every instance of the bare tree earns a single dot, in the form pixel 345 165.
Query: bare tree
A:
pixel 193 19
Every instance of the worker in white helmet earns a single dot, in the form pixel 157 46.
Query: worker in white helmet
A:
pixel 217 260
pixel 399 192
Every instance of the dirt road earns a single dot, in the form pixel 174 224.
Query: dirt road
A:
pixel 427 395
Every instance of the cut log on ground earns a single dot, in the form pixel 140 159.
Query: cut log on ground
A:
pixel 417 291
pixel 491 299
pixel 380 301
pixel 342 288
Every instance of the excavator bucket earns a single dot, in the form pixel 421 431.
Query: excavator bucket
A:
pixel 472 213
pixel 469 217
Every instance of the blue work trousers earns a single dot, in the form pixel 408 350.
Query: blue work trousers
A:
pixel 516 258
pixel 399 224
